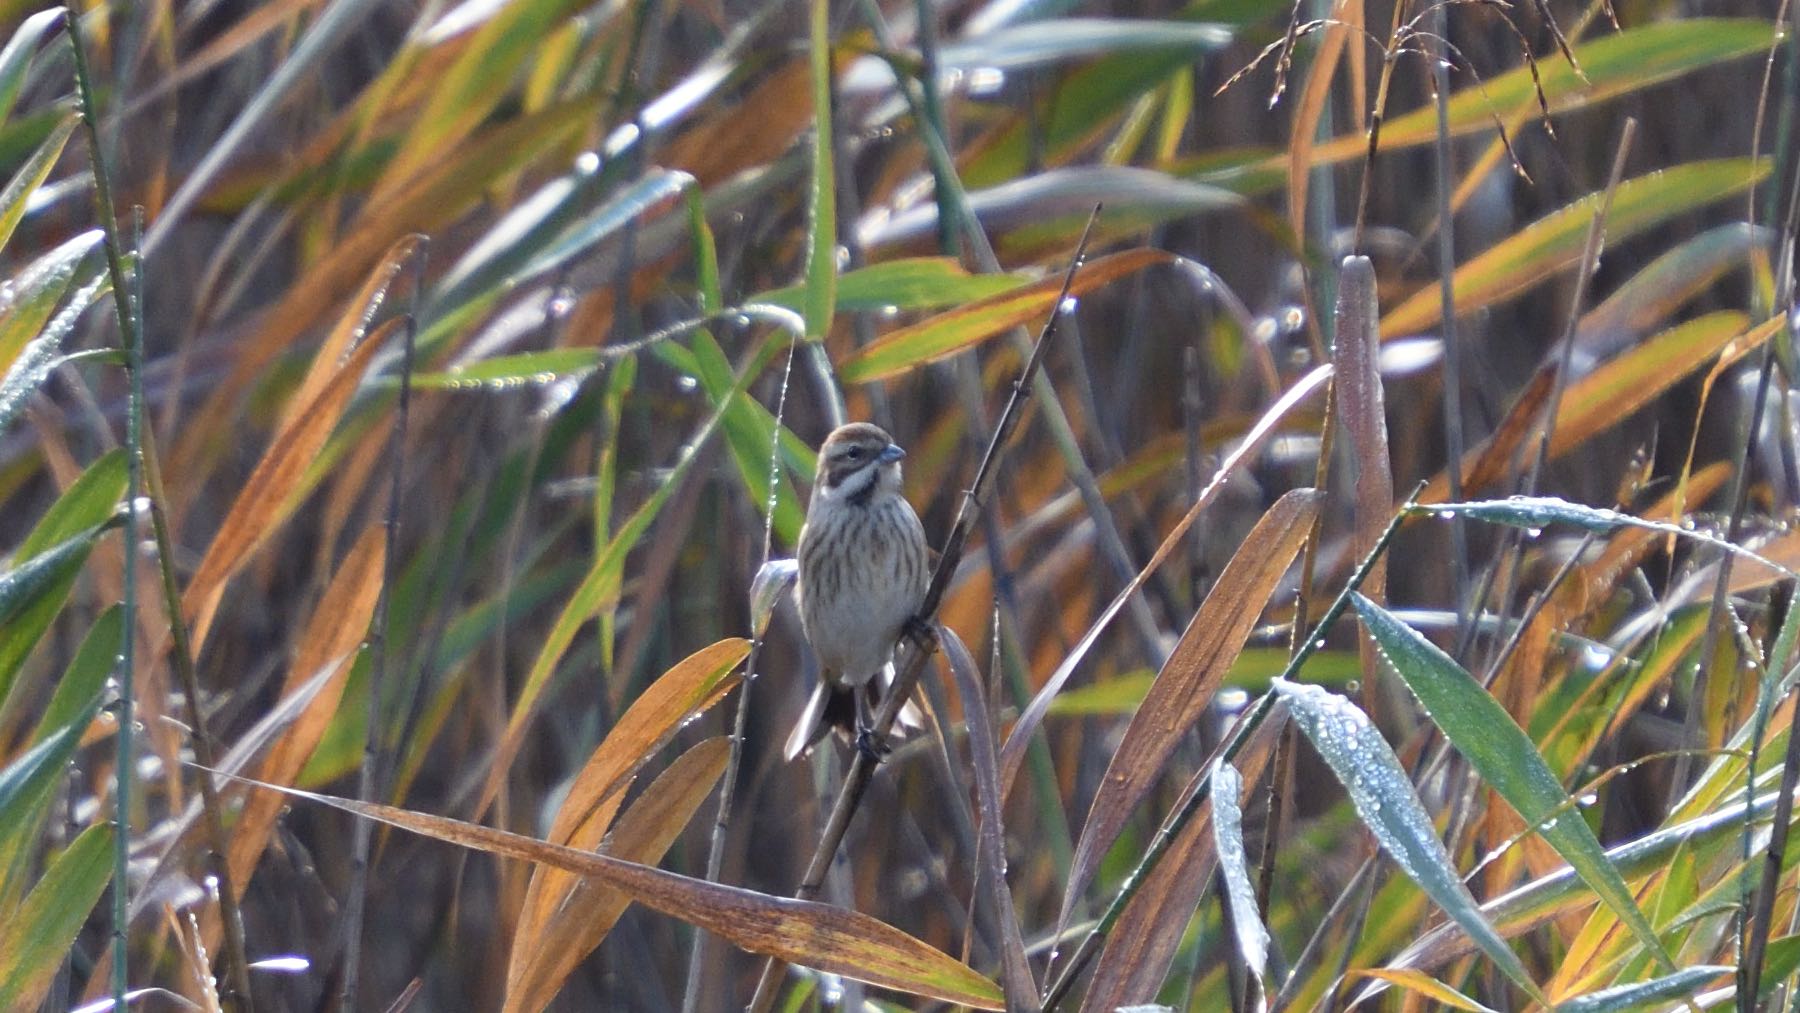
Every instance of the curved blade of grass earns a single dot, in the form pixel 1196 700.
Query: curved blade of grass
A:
pixel 36 290
pixel 34 362
pixel 34 942
pixel 1021 988
pixel 1605 397
pixel 1655 992
pixel 1234 871
pixel 15 59
pixel 1669 282
pixel 31 175
pixel 1533 513
pixel 479 80
pixel 772 580
pixel 265 501
pixel 339 623
pixel 953 331
pixel 644 832
pixel 1053 201
pixel 1385 800
pixel 508 372
pixel 1506 759
pixel 910 283
pixel 88 503
pixel 1613 64
pixel 694 684
pixel 806 933
pixel 1185 687
pixel 1554 242
pixel 1423 984
pixel 71 710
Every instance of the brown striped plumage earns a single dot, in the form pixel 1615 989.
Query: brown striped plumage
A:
pixel 863 572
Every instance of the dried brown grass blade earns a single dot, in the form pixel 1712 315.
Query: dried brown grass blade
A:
pixel 694 684
pixel 338 625
pixel 1015 971
pixel 815 935
pixel 266 499
pixel 643 834
pixel 1363 412
pixel 1185 686
pixel 1608 395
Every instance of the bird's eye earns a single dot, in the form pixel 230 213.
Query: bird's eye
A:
pixel 853 453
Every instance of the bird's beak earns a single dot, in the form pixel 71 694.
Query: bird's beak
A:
pixel 892 453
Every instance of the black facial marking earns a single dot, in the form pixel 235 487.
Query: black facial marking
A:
pixel 862 496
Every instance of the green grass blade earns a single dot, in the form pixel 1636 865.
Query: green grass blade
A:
pixel 36 291
pixel 1234 871
pixel 1657 992
pixel 1384 798
pixel 88 503
pixel 31 175
pixel 1506 759
pixel 71 709
pixel 911 283
pixel 1554 242
pixel 15 59
pixel 32 945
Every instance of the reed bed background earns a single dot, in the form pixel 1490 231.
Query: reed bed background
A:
pixel 401 400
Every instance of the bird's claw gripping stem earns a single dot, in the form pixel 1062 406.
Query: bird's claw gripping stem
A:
pixel 869 745
pixel 921 633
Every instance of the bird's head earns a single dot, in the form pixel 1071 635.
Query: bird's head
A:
pixel 858 461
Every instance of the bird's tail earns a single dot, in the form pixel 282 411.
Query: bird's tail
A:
pixel 832 707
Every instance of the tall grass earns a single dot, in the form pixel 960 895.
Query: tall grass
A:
pixel 414 484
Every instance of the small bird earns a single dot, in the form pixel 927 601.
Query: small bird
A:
pixel 863 574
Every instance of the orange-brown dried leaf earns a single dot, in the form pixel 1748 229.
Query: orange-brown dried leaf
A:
pixel 338 625
pixel 265 500
pixel 806 933
pixel 644 833
pixel 694 684
pixel 1607 396
pixel 1185 686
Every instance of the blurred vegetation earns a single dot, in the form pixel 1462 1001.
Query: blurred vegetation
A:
pixel 401 399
